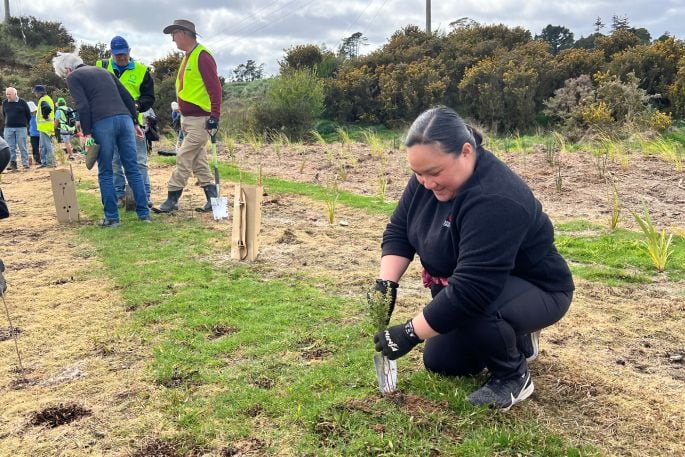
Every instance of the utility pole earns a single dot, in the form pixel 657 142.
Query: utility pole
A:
pixel 428 17
pixel 7 11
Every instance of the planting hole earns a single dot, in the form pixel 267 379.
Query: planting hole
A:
pixel 54 416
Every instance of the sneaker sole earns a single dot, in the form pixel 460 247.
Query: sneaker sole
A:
pixel 525 393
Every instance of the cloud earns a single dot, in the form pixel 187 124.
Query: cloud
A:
pixel 260 30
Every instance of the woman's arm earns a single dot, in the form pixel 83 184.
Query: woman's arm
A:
pixel 421 327
pixel 393 267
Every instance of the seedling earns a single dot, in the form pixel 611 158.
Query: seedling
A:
pixel 656 244
pixel 332 201
pixel 230 143
pixel 374 143
pixel 615 203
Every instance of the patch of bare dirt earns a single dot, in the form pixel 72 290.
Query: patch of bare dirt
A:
pixel 65 307
pixel 61 414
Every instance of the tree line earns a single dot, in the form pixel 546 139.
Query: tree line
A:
pixel 500 76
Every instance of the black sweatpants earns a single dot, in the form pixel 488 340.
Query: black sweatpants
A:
pixel 35 142
pixel 489 340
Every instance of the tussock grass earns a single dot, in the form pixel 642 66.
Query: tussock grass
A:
pixel 613 257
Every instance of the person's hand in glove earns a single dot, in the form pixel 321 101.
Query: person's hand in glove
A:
pixel 212 125
pixel 385 290
pixel 396 341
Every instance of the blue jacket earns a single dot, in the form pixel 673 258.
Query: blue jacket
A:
pixel 33 128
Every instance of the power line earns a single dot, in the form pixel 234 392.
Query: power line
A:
pixel 246 29
pixel 374 17
pixel 356 21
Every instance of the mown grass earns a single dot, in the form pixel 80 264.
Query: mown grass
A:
pixel 283 364
pixel 614 257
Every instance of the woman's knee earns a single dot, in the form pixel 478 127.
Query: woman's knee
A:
pixel 451 363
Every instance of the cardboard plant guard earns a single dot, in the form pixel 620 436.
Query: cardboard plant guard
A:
pixel 64 192
pixel 247 221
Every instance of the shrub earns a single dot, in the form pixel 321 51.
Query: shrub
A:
pixel 292 103
pixel 658 121
pixel 625 99
pixel 35 32
pixel 596 116
pixel 6 52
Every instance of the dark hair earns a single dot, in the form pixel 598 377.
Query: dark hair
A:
pixel 444 127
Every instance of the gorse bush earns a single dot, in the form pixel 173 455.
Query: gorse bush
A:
pixel 292 103
pixel 611 104
pixel 35 32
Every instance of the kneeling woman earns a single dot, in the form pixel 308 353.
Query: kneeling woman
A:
pixel 488 254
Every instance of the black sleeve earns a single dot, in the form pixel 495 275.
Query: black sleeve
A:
pixel 45 110
pixel 147 93
pixel 126 98
pixel 82 102
pixel 395 240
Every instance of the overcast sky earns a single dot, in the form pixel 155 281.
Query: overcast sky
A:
pixel 260 30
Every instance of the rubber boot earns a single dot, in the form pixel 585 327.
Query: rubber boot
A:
pixel 171 203
pixel 210 192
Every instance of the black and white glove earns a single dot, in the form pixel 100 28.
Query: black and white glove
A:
pixel 396 341
pixel 384 287
pixel 212 125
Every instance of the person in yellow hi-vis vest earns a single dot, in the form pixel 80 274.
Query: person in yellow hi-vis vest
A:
pixel 45 121
pixel 198 92
pixel 138 82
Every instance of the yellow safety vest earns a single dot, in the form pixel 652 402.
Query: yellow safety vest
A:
pixel 46 125
pixel 132 79
pixel 194 90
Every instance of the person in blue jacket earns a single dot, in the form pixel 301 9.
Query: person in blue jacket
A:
pixel 34 134
pixel 488 256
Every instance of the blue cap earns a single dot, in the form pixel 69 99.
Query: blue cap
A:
pixel 39 88
pixel 119 46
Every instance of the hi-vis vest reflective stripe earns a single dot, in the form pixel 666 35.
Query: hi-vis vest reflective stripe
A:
pixel 46 125
pixel 194 90
pixel 132 79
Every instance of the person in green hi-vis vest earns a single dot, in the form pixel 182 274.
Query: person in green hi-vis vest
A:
pixel 45 121
pixel 198 92
pixel 139 83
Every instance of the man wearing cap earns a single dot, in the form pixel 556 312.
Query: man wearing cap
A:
pixel 198 92
pixel 45 120
pixel 137 80
pixel 108 115
pixel 17 117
